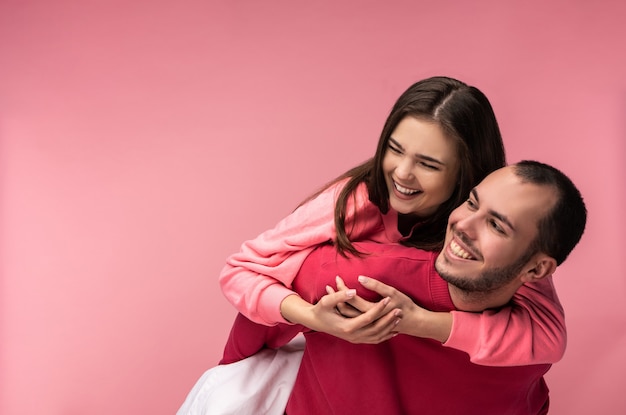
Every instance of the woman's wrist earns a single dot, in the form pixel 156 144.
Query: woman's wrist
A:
pixel 294 309
pixel 429 324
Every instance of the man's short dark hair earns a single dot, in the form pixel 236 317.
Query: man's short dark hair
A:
pixel 561 228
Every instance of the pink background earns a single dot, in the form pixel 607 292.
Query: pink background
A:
pixel 143 141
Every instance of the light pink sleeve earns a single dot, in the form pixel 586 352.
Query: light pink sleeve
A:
pixel 529 331
pixel 257 279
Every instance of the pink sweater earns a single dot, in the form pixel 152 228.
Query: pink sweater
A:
pixel 257 279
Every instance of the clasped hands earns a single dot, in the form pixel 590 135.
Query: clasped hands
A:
pixel 348 316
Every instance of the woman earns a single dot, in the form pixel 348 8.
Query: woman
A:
pixel 440 139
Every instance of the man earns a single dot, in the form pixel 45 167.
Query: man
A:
pixel 517 226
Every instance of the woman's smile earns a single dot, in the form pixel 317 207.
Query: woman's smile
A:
pixel 420 167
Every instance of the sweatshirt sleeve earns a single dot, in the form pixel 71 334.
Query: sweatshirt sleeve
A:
pixel 257 279
pixel 531 330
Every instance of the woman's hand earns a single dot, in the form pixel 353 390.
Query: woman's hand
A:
pixel 373 326
pixel 355 305
pixel 416 321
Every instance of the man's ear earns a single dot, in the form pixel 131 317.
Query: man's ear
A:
pixel 540 266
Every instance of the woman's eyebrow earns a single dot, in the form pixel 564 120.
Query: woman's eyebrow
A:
pixel 418 156
pixel 395 143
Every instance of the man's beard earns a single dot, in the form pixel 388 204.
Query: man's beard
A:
pixel 489 280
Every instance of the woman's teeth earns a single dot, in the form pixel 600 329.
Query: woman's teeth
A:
pixel 458 251
pixel 405 190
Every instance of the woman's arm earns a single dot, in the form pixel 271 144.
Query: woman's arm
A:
pixel 258 278
pixel 531 330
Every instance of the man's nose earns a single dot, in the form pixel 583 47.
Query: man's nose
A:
pixel 467 224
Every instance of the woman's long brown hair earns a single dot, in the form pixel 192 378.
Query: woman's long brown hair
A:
pixel 465 115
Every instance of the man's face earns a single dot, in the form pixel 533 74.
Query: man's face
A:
pixel 489 236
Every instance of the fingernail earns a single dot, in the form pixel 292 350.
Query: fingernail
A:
pixel 350 293
pixel 386 300
pixel 395 323
pixel 362 279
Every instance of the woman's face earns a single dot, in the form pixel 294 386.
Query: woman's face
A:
pixel 420 166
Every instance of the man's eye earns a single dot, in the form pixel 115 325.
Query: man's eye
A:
pixel 495 225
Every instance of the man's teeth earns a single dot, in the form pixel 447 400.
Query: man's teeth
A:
pixel 458 251
pixel 404 190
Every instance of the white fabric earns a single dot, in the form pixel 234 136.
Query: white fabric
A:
pixel 260 384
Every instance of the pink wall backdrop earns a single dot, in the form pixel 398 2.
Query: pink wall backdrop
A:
pixel 143 141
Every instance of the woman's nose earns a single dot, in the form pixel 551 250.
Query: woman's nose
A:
pixel 404 169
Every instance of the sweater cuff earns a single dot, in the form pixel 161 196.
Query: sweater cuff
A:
pixel 463 335
pixel 269 303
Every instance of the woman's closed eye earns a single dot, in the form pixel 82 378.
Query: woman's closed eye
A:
pixel 429 165
pixel 471 204
pixel 395 149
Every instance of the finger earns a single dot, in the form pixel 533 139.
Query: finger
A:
pixel 386 325
pixel 381 330
pixel 341 285
pixel 344 308
pixel 331 300
pixel 360 303
pixel 357 302
pixel 347 310
pixel 376 286
pixel 370 316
